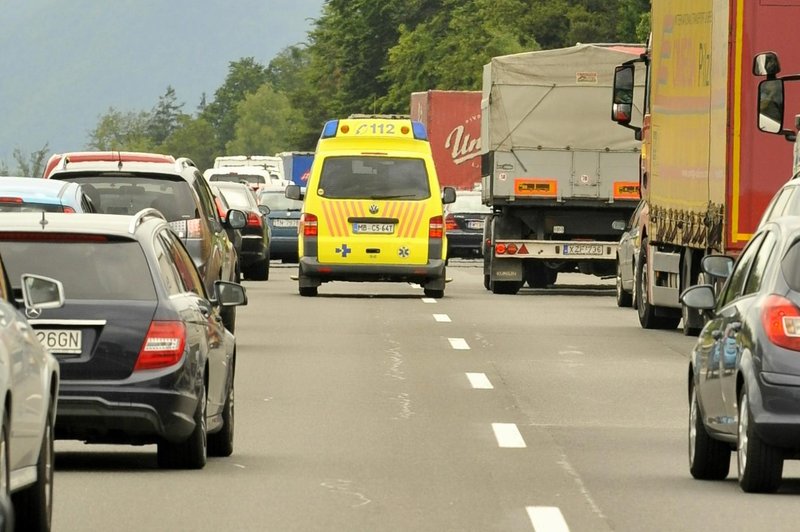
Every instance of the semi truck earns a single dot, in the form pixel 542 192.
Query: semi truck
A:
pixel 453 121
pixel 555 172
pixel 297 165
pixel 706 174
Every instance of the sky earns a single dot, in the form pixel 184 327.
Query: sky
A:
pixel 66 62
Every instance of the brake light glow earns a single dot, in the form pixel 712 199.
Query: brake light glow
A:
pixel 10 200
pixel 163 346
pixel 500 249
pixel 511 249
pixel 308 224
pixel 254 220
pixel 781 321
pixel 450 223
pixel 220 208
pixel 436 227
pixel 51 237
pixel 69 210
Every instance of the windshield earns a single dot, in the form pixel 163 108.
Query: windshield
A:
pixel 238 178
pixel 238 198
pixel 277 201
pixel 88 270
pixel 113 194
pixel 374 178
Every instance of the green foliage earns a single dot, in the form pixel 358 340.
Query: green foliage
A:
pixel 28 165
pixel 165 116
pixel 265 124
pixel 116 130
pixel 192 138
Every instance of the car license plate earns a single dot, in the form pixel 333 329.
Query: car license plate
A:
pixel 474 224
pixel 368 228
pixel 60 340
pixel 583 249
pixel 278 222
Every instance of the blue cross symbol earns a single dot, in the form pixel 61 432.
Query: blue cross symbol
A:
pixel 344 250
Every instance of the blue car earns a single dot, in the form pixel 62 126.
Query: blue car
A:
pixel 30 194
pixel 283 218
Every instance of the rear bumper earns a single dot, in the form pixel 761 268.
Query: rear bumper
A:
pixel 283 247
pixel 108 413
pixel 417 273
pixel 253 250
pixel 464 244
pixel 776 418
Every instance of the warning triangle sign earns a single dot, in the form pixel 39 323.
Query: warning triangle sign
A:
pixel 522 250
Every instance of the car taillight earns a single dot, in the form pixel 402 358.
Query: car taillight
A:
pixel 450 223
pixel 163 345
pixel 69 210
pixel 10 200
pixel 781 320
pixel 436 227
pixel 308 224
pixel 254 220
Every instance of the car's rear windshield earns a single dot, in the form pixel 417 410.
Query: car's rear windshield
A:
pixel 468 204
pixel 89 270
pixel 115 194
pixel 367 177
pixel 12 206
pixel 277 201
pixel 237 198
pixel 239 178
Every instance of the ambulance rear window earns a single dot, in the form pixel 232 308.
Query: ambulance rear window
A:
pixel 364 177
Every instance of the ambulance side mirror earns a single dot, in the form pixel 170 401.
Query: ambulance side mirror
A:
pixel 448 195
pixel 294 192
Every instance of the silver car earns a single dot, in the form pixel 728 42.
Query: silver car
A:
pixel 29 380
pixel 627 255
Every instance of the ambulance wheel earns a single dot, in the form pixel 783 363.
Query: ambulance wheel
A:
pixel 308 291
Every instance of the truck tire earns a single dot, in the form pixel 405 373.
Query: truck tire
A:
pixel 506 287
pixel 487 281
pixel 646 311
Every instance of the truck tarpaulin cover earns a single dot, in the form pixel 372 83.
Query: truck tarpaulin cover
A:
pixel 557 99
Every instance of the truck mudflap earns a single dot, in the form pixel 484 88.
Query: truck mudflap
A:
pixel 555 250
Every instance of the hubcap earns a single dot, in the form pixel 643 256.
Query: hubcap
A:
pixel 692 427
pixel 741 448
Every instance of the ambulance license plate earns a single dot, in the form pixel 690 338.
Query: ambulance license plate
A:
pixel 60 340
pixel 367 228
pixel 583 249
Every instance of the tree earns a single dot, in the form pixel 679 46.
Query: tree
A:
pixel 266 124
pixel 192 138
pixel 116 130
pixel 164 118
pixel 31 165
pixel 245 76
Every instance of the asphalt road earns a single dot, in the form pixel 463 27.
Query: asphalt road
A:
pixel 371 408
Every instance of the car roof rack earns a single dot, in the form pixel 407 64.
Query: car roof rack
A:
pixel 140 217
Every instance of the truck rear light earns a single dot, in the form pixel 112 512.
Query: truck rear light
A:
pixel 781 321
pixel 500 249
pixel 163 346
pixel 436 227
pixel 450 223
pixel 254 220
pixel 308 224
pixel 511 249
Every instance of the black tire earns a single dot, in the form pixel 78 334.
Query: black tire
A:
pixel 33 506
pixel 506 287
pixel 434 293
pixel 5 469
pixel 759 465
pixel 487 281
pixel 709 459
pixel 646 311
pixel 221 443
pixel 624 299
pixel 259 271
pixel 308 291
pixel 192 452
pixel 689 315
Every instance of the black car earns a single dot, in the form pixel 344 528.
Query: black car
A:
pixel 254 252
pixel 464 220
pixel 283 219
pixel 125 183
pixel 744 372
pixel 143 353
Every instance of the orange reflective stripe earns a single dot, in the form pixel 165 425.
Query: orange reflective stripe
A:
pixel 419 213
pixel 404 216
pixel 329 221
pixel 341 218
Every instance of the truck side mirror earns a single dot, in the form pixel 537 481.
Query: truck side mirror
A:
pixel 622 102
pixel 766 64
pixel 770 106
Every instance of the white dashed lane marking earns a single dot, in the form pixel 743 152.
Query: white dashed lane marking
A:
pixel 479 381
pixel 547 519
pixel 443 318
pixel 428 300
pixel 458 343
pixel 508 436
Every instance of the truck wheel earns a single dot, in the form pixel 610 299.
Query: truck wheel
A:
pixel 646 311
pixel 624 299
pixel 487 281
pixel 506 287
pixel 709 459
pixel 760 465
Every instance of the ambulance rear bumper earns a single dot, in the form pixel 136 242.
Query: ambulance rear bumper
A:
pixel 413 273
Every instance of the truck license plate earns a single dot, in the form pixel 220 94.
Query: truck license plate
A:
pixel 368 228
pixel 60 340
pixel 583 249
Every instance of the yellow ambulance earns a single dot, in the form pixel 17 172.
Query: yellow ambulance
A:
pixel 372 209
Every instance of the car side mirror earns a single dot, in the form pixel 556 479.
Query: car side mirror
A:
pixel 448 195
pixel 293 192
pixel 699 297
pixel 717 265
pixel 263 209
pixel 236 219
pixel 40 292
pixel 229 294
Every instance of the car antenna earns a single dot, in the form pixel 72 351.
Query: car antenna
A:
pixel 43 221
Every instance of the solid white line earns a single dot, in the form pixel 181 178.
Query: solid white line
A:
pixel 479 381
pixel 547 519
pixel 428 300
pixel 508 436
pixel 458 343
pixel 443 318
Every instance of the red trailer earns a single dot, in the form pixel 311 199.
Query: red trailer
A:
pixel 453 121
